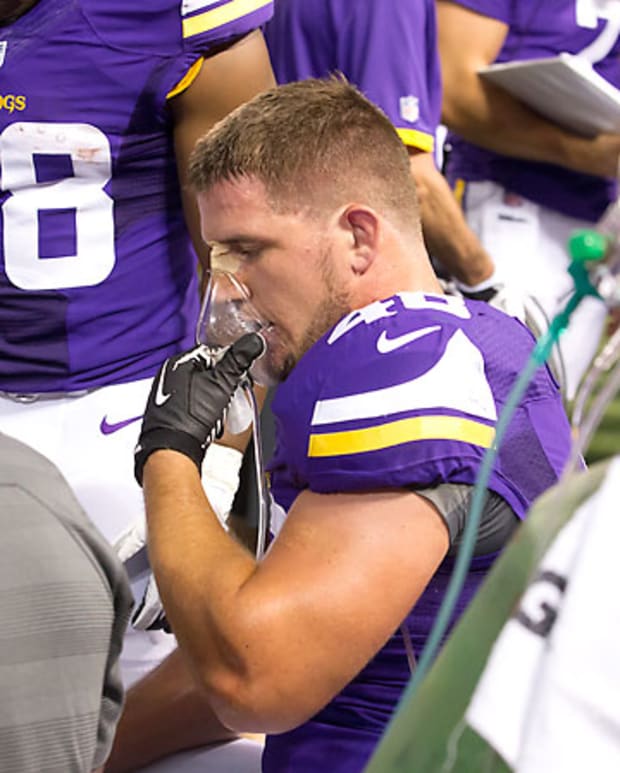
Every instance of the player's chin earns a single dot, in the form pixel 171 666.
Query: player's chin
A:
pixel 265 372
pixel 278 360
pixel 279 364
pixel 286 366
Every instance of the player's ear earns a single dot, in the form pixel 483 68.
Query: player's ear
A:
pixel 362 224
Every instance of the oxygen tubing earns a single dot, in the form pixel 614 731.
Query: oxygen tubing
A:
pixel 538 357
pixel 593 418
pixel 259 466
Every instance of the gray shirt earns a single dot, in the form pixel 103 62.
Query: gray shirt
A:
pixel 64 606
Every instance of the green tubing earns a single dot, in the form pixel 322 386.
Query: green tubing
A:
pixel 538 357
pixel 584 247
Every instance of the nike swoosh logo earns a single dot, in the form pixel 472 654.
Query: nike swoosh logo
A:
pixel 386 345
pixel 160 395
pixel 107 428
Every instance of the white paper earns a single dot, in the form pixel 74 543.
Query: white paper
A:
pixel 565 89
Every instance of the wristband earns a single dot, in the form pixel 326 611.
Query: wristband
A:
pixel 168 440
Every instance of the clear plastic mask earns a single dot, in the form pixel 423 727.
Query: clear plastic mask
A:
pixel 227 314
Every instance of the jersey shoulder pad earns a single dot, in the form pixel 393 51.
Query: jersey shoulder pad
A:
pixel 390 387
pixel 405 354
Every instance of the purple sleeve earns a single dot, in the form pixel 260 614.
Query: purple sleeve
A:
pixel 175 33
pixel 495 9
pixel 389 51
pixel 167 27
pixel 206 23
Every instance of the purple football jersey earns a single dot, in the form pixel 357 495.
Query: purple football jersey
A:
pixel 406 393
pixel 539 30
pixel 97 273
pixel 387 48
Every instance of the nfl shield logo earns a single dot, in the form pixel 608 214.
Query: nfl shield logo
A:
pixel 409 108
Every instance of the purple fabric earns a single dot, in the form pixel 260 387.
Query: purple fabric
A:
pixel 348 362
pixel 538 30
pixel 386 48
pixel 109 66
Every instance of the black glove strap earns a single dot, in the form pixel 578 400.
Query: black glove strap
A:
pixel 480 295
pixel 168 439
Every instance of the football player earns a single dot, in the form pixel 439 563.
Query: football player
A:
pixel 100 105
pixel 390 396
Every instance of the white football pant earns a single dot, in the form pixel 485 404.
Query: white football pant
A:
pixel 528 243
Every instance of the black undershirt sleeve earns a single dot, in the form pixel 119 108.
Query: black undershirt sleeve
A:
pixel 453 501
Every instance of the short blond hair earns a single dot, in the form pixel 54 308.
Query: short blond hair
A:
pixel 312 144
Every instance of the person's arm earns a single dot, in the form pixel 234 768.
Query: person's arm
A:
pixel 273 642
pixel 446 232
pixel 225 81
pixel 488 116
pixel 146 734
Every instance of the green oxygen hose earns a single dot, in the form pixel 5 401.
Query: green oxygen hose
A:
pixel 584 247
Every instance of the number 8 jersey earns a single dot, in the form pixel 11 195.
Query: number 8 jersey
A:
pixel 97 273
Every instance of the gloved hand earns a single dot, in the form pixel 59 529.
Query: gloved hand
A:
pixel 189 399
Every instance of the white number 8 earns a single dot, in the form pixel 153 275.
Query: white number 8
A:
pixel 89 151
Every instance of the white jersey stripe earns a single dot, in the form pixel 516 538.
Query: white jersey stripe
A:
pixel 220 16
pixel 191 6
pixel 433 390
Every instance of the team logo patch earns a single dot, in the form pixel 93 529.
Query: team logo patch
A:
pixel 409 107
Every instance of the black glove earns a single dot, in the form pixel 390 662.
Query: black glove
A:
pixel 189 398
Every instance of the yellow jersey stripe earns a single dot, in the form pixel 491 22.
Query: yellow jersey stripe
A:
pixel 416 139
pixel 394 433
pixel 218 17
pixel 187 79
pixel 459 191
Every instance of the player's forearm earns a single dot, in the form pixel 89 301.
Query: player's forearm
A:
pixel 202 574
pixel 238 626
pixel 164 713
pixel 486 116
pixel 198 566
pixel 446 232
